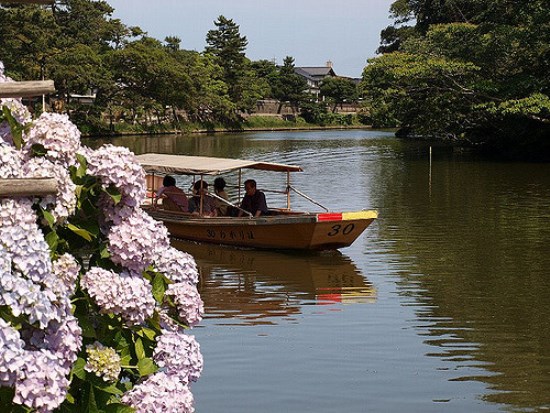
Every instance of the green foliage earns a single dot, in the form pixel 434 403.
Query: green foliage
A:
pixel 287 86
pixel 466 68
pixel 339 90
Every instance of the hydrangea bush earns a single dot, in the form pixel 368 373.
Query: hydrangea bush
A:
pixel 95 304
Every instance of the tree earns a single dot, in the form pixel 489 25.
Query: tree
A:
pixel 467 69
pixel 287 86
pixel 339 90
pixel 228 46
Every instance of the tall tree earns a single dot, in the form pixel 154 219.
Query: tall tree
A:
pixel 228 46
pixel 288 86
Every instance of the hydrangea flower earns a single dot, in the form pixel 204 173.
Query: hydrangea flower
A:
pixel 178 266
pixel 64 203
pixel 23 239
pixel 118 166
pixel 127 294
pixel 179 354
pixel 65 274
pixel 11 354
pixel 58 135
pixel 103 361
pixel 10 162
pixel 132 243
pixel 43 384
pixel 188 302
pixel 160 393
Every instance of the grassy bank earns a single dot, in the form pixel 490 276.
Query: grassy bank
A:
pixel 252 123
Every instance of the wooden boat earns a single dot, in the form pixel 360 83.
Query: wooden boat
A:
pixel 283 228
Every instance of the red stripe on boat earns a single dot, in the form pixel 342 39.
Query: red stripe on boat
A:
pixel 336 216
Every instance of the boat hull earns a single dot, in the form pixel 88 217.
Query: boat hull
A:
pixel 299 231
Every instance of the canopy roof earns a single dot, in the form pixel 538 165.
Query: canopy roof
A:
pixel 202 165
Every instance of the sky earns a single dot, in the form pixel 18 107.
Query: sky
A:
pixel 313 32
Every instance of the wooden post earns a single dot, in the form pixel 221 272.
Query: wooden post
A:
pixel 27 187
pixel 28 1
pixel 26 89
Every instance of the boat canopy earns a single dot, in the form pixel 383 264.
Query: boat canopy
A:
pixel 202 165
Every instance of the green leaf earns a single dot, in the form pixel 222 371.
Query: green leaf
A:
pixel 16 128
pixel 140 350
pixel 159 288
pixel 80 232
pixel 114 193
pixel 109 388
pixel 52 239
pixel 38 149
pixel 78 369
pixel 149 333
pixel 104 252
pixel 146 366
pixel 48 216
pixel 118 408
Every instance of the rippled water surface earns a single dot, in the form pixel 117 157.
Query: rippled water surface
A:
pixel 442 305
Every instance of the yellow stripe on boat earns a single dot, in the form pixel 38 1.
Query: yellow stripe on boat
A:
pixel 347 216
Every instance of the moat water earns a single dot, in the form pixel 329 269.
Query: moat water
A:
pixel 442 305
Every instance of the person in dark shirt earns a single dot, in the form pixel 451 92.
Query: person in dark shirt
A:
pixel 254 200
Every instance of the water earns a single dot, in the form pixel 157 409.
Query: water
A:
pixel 441 305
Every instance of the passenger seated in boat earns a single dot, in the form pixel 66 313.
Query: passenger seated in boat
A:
pixel 219 190
pixel 173 198
pixel 254 200
pixel 200 189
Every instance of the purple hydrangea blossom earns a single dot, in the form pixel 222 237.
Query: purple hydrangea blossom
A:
pixel 133 242
pixel 65 275
pixel 188 302
pixel 11 354
pixel 160 393
pixel 179 354
pixel 118 166
pixel 59 136
pixel 177 266
pixel 63 204
pixel 10 162
pixel 42 384
pixel 128 295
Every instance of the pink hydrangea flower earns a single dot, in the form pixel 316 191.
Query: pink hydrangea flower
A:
pixel 188 302
pixel 128 295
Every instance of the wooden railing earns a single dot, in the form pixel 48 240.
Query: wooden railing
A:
pixel 28 1
pixel 15 187
pixel 26 89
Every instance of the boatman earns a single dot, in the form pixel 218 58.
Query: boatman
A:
pixel 254 200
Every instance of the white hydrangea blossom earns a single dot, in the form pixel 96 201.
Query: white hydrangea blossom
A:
pixel 160 393
pixel 103 361
pixel 127 294
pixel 179 354
pixel 188 302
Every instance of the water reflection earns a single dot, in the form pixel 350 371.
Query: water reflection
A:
pixel 261 287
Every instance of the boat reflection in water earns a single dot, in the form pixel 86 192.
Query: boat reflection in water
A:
pixel 258 287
